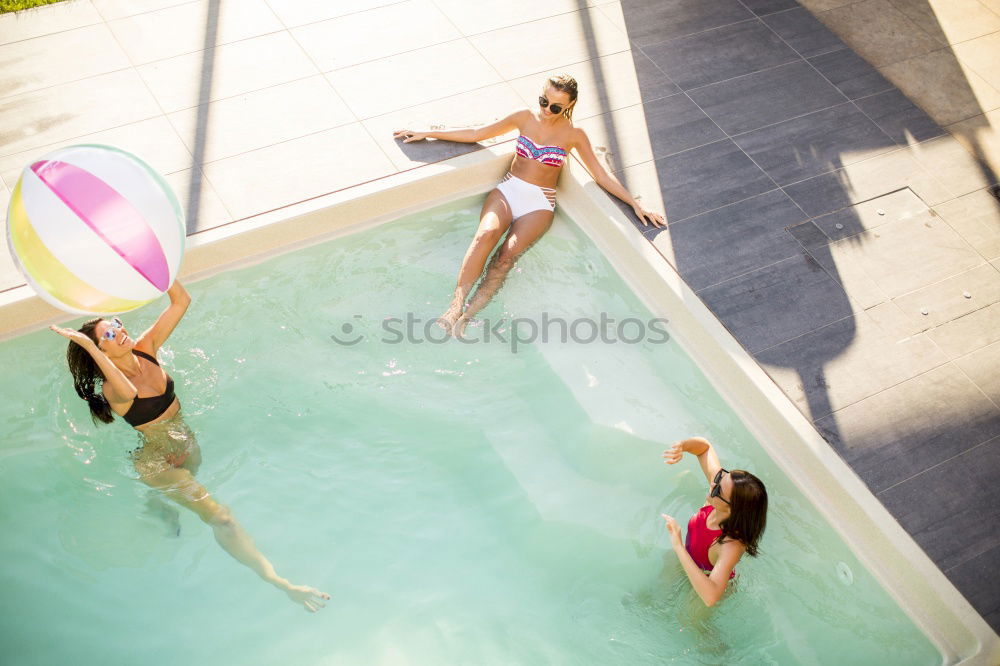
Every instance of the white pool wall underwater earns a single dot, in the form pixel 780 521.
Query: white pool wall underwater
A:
pixel 910 577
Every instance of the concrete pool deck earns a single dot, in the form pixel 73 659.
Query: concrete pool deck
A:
pixel 831 225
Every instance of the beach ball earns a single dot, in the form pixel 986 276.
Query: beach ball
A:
pixel 95 230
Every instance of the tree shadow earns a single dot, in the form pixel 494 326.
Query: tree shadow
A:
pixel 196 181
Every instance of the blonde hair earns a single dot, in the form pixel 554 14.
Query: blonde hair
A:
pixel 567 84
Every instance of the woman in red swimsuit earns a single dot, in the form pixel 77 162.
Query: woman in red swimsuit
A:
pixel 729 525
pixel 522 204
pixel 135 387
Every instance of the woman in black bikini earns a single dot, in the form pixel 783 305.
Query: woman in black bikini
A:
pixel 135 387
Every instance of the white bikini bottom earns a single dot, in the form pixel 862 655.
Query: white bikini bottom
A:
pixel 524 198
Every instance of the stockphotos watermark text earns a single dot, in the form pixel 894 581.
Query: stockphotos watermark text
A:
pixel 513 331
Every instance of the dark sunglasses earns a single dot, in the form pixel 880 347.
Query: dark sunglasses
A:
pixel 544 103
pixel 716 488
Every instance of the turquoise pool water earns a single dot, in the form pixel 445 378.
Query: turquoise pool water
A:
pixel 463 504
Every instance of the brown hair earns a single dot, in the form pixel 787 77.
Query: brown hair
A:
pixel 567 84
pixel 86 372
pixel 748 514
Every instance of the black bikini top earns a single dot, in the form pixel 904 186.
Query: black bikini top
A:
pixel 144 410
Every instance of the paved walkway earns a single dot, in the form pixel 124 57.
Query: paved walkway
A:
pixel 847 240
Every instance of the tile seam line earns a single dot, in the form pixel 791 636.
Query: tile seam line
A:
pixel 940 282
pixel 501 82
pixel 934 466
pixel 300 201
pixel 148 11
pixel 330 18
pixel 913 23
pixel 248 38
pixel 977 349
pixel 275 143
pixel 80 136
pixel 976 384
pixel 798 58
pixel 710 210
pixel 88 77
pixel 515 25
pixel 889 388
pixel 851 316
pixel 99 21
pixel 468 41
pixel 798 249
pixel 336 70
pixel 587 8
pixel 947 50
pixel 700 32
pixel 972 39
pixel 985 550
pixel 289 140
pixel 247 92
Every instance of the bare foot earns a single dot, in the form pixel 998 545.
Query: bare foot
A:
pixel 450 316
pixel 458 328
pixel 309 597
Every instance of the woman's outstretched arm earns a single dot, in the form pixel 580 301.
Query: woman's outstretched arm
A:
pixel 473 135
pixel 699 447
pixel 608 181
pixel 157 334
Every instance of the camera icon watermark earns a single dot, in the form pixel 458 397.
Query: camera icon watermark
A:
pixel 516 332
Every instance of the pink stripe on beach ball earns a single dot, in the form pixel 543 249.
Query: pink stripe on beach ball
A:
pixel 110 215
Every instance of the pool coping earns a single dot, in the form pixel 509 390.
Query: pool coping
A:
pixel 880 543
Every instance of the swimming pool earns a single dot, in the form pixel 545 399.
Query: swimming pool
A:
pixel 462 503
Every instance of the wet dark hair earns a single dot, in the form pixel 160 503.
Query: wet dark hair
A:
pixel 567 84
pixel 86 372
pixel 748 513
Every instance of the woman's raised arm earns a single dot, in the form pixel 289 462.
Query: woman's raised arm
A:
pixel 157 334
pixel 608 181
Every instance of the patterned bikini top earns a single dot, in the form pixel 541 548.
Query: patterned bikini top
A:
pixel 550 155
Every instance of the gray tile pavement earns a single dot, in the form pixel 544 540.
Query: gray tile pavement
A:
pixel 803 32
pixel 705 254
pixel 936 510
pixel 721 53
pixel 850 74
pixel 913 426
pixel 748 304
pixel 772 164
pixel 706 178
pixel 899 117
pixel 978 578
pixel 814 144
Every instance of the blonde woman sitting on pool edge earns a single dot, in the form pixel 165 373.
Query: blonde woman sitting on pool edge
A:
pixel 522 204
pixel 729 524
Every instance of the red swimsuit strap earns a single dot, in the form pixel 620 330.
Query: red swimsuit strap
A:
pixel 700 538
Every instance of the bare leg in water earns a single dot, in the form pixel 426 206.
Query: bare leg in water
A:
pixel 494 221
pixel 178 484
pixel 523 234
